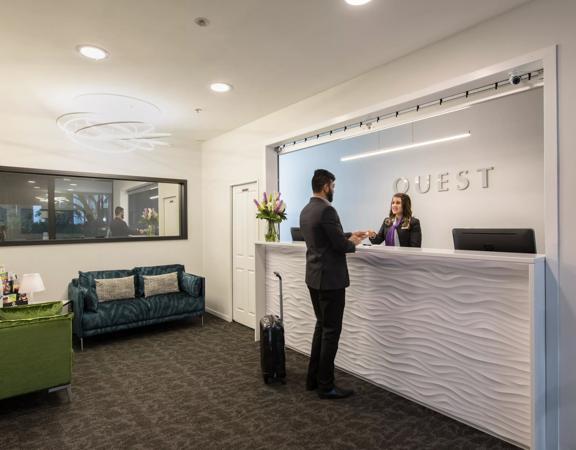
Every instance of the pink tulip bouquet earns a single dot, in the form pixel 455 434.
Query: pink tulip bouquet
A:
pixel 273 210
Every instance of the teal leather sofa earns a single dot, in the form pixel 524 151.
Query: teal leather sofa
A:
pixel 35 349
pixel 92 317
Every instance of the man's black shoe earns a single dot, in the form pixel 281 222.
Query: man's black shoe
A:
pixel 335 393
pixel 311 386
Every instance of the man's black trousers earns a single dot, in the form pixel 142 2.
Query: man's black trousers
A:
pixel 329 310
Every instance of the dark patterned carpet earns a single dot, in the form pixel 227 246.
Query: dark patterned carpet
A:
pixel 182 386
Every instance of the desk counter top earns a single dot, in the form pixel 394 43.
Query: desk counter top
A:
pixel 401 252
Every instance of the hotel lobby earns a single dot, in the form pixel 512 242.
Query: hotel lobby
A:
pixel 159 162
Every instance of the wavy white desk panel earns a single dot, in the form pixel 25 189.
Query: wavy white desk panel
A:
pixel 454 333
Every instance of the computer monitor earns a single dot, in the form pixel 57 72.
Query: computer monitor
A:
pixel 515 240
pixel 296 234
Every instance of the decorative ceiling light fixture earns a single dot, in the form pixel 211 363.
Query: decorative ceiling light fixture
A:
pixel 92 52
pixel 357 2
pixel 113 123
pixel 221 87
pixel 406 147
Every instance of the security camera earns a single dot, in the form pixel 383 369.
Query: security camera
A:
pixel 515 78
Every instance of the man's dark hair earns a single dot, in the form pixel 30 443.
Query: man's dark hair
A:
pixel 320 179
pixel 119 210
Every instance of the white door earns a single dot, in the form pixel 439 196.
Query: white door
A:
pixel 171 216
pixel 244 235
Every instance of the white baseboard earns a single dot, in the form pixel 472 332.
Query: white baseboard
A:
pixel 225 317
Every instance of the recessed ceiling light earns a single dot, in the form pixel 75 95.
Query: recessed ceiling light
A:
pixel 70 190
pixel 357 2
pixel 91 52
pixel 221 87
pixel 73 184
pixel 31 181
pixel 36 187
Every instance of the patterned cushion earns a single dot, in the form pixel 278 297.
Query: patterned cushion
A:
pixel 193 285
pixel 156 270
pixel 118 312
pixel 87 281
pixel 114 288
pixel 31 311
pixel 167 305
pixel 160 284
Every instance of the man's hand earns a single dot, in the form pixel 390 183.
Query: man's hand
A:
pixel 358 236
pixel 371 234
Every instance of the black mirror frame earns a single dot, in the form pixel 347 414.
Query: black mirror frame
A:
pixel 56 173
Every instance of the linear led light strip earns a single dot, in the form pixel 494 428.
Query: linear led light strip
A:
pixel 406 147
pixel 369 126
pixel 408 120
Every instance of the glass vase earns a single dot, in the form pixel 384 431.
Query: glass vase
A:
pixel 273 234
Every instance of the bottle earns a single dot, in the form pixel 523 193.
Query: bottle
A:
pixel 6 289
pixel 16 286
pixel 3 281
pixel 11 283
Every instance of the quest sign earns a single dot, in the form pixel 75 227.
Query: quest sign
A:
pixel 444 182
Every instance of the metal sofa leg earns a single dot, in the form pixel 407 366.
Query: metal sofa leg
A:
pixel 202 319
pixel 81 344
pixel 66 387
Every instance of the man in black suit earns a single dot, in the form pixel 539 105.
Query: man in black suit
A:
pixel 119 228
pixel 327 279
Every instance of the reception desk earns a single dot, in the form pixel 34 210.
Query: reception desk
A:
pixel 459 332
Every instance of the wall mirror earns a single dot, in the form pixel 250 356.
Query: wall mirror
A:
pixel 48 207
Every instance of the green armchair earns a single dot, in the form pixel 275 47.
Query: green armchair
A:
pixel 35 349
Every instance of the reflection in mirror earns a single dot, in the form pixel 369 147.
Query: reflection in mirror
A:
pixel 145 209
pixel 23 207
pixel 52 207
pixel 82 207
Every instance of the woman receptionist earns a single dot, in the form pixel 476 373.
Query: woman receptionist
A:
pixel 400 228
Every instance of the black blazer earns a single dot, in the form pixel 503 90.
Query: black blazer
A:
pixel 119 228
pixel 326 244
pixel 411 236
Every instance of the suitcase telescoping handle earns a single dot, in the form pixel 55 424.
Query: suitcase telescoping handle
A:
pixel 281 299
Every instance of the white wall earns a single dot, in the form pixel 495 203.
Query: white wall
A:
pixel 58 264
pixel 239 155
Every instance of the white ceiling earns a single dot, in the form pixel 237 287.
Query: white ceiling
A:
pixel 274 52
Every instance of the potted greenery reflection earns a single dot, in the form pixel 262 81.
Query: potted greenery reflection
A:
pixel 150 220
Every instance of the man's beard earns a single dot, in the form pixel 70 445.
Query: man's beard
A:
pixel 330 196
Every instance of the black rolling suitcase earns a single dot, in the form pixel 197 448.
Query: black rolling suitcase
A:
pixel 272 353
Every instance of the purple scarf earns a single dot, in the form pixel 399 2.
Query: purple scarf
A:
pixel 392 232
